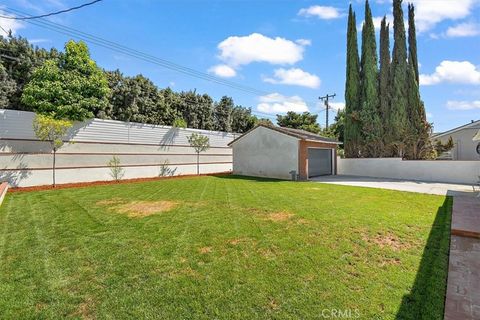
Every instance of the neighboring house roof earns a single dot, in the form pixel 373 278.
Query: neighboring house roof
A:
pixel 466 126
pixel 296 133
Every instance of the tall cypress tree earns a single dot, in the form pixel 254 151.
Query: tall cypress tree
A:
pixel 418 144
pixel 412 40
pixel 398 108
pixel 384 79
pixel 372 130
pixel 352 132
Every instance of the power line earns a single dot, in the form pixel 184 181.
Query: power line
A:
pixel 52 13
pixel 144 56
pixel 6 32
pixel 136 53
pixel 56 27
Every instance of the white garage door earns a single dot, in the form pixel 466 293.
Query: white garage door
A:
pixel 319 162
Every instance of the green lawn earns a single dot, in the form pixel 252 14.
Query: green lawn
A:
pixel 226 248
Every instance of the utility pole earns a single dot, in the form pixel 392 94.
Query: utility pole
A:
pixel 325 99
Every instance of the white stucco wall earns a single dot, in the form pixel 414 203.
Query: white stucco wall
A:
pixel 447 171
pixel 265 153
pixel 465 148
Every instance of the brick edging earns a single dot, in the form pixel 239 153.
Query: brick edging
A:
pixel 3 191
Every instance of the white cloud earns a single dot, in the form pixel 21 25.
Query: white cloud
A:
pixel 321 12
pixel 304 42
pixel 428 13
pixel 463 105
pixel 337 105
pixel 429 115
pixel 236 51
pixel 9 24
pixel 467 29
pixel 294 76
pixel 454 72
pixel 222 70
pixel 277 103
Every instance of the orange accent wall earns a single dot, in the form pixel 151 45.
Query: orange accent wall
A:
pixel 303 156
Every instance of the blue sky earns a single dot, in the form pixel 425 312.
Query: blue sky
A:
pixel 292 51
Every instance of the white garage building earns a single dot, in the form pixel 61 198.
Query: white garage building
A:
pixel 275 152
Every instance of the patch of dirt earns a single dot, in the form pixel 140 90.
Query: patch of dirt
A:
pixel 85 309
pixel 110 202
pixel 268 253
pixel 189 272
pixel 139 209
pixel 235 241
pixel 238 241
pixel 390 262
pixel 40 306
pixel 388 240
pixel 303 221
pixel 273 305
pixel 205 250
pixel 279 216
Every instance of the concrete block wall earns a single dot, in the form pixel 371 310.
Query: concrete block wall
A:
pixel 142 150
pixel 447 171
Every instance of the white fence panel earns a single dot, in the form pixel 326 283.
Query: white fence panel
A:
pixel 142 148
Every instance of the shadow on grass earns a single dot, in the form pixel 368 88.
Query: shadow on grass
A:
pixel 426 299
pixel 249 178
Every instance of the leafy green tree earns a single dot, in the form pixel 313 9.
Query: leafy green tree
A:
pixel 242 119
pixel 398 108
pixel 200 143
pixel 173 103
pixel 52 130
pixel 223 114
pixel 19 59
pixel 352 92
pixel 179 123
pixel 264 122
pixel 73 87
pixel 206 112
pixel 444 147
pixel 338 127
pixel 372 130
pixel 384 80
pixel 304 121
pixel 197 110
pixel 7 88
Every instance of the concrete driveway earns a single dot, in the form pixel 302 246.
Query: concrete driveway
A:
pixel 401 185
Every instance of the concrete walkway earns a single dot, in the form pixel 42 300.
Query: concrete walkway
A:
pixel 463 286
pixel 401 185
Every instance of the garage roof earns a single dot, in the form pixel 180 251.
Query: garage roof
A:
pixel 297 133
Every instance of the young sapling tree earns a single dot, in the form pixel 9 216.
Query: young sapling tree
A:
pixel 53 131
pixel 200 143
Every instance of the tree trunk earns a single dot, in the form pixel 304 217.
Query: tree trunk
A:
pixel 54 154
pixel 198 163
